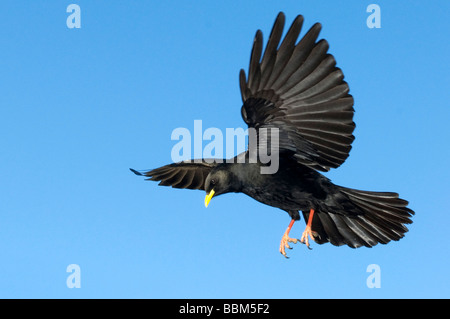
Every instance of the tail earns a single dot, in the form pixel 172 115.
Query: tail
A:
pixel 362 218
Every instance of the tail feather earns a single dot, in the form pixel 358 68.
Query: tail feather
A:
pixel 382 218
pixel 368 233
pixel 390 213
pixel 327 229
pixel 352 236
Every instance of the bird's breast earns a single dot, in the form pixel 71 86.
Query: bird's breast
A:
pixel 281 193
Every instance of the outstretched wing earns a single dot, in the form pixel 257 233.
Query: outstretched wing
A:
pixel 297 89
pixel 189 174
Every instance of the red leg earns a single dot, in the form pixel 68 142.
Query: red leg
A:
pixel 308 231
pixel 286 239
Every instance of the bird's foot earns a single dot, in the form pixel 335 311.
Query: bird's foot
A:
pixel 285 240
pixel 308 232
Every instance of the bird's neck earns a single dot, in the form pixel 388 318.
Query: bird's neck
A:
pixel 242 176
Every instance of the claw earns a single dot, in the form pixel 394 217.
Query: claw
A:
pixel 284 244
pixel 308 232
pixel 286 239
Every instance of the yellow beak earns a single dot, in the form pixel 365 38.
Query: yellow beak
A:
pixel 208 197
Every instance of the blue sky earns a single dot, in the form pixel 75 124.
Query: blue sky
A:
pixel 78 107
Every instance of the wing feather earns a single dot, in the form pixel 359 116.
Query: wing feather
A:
pixel 189 174
pixel 297 89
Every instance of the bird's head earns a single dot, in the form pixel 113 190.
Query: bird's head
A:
pixel 219 181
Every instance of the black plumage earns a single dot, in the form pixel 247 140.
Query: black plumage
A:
pixel 296 88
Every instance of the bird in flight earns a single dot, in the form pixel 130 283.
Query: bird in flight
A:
pixel 295 89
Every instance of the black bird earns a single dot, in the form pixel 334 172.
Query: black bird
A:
pixel 296 90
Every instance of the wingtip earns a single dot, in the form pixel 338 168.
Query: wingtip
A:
pixel 281 15
pixel 136 172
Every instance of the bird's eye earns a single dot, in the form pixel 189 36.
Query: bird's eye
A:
pixel 213 182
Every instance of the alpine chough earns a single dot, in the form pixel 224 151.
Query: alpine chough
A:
pixel 296 89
